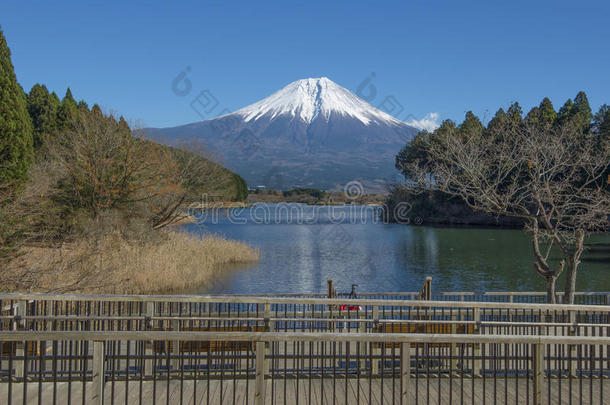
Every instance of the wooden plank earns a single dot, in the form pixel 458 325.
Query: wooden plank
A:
pixel 297 300
pixel 304 395
pixel 259 396
pixel 538 372
pixel 405 373
pixel 300 337
pixel 98 373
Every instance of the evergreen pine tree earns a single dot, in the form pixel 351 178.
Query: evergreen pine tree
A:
pixel 565 112
pixel 43 108
pixel 67 111
pixel 515 113
pixel 471 125
pixel 96 109
pixel 601 122
pixel 498 122
pixel 16 144
pixel 533 117
pixel 581 113
pixel 547 112
pixel 82 105
pixel 543 115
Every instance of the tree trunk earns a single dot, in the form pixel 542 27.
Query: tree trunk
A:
pixel 570 287
pixel 551 287
pixel 573 263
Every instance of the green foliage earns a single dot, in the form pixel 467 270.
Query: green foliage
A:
pixel 565 112
pixel 16 141
pixel 577 114
pixel 67 111
pixel 82 105
pixel 547 112
pixel 315 193
pixel 241 188
pixel 515 114
pixel 581 113
pixel 498 123
pixel 601 121
pixel 201 178
pixel 43 108
pixel 601 128
pixel 412 152
pixel 471 125
pixel 543 115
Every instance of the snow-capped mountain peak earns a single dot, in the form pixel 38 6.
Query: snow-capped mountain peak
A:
pixel 312 133
pixel 309 99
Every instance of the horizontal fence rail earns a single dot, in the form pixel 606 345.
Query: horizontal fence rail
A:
pixel 207 367
pixel 531 297
pixel 45 312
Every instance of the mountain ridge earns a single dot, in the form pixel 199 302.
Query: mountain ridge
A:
pixel 312 133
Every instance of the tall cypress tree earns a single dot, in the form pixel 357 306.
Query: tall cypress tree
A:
pixel 581 113
pixel 533 117
pixel 471 125
pixel 544 115
pixel 601 128
pixel 565 112
pixel 602 122
pixel 515 113
pixel 16 142
pixel 43 108
pixel 67 111
pixel 498 123
pixel 547 112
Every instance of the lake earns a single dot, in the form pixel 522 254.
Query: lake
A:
pixel 302 246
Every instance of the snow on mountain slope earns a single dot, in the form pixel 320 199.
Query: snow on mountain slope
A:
pixel 311 133
pixel 309 99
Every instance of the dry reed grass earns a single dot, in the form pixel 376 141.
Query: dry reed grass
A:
pixel 173 261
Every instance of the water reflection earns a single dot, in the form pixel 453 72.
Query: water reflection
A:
pixel 302 246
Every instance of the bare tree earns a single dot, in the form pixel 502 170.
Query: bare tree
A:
pixel 549 176
pixel 104 167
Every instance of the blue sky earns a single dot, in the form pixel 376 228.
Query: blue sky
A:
pixel 443 57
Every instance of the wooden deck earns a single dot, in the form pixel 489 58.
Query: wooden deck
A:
pixel 268 341
pixel 314 391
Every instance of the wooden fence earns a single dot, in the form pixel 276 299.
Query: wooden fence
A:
pixel 280 349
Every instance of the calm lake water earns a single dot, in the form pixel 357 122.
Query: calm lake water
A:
pixel 302 246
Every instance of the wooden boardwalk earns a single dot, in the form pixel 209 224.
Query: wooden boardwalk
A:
pixel 314 391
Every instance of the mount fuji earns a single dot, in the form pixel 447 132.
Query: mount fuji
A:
pixel 312 133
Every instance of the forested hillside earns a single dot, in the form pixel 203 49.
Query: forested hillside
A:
pixel 73 177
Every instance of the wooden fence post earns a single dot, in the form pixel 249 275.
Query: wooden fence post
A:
pixel 331 288
pixel 148 345
pixel 98 372
pixel 175 362
pixel 269 327
pixel 19 313
pixel 376 350
pixel 573 349
pixel 405 372
pixel 476 317
pixel 454 351
pixel 538 372
pixel 259 396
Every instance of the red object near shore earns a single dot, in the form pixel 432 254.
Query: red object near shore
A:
pixel 350 308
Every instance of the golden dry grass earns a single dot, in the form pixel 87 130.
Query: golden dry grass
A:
pixel 174 261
